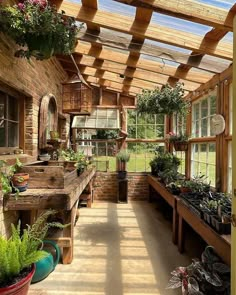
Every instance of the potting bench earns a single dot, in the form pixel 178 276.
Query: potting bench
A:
pixel 171 199
pixel 221 243
pixel 63 200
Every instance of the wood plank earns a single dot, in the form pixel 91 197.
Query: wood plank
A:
pixel 151 49
pixel 153 32
pixel 154 71
pixel 91 4
pixel 189 10
pixel 221 245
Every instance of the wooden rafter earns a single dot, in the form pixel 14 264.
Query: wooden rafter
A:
pixel 139 76
pixel 153 32
pixel 94 5
pixel 142 15
pixel 123 43
pixel 189 10
pixel 144 64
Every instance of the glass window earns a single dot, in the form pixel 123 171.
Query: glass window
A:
pixel 9 121
pixel 203 161
pixel 145 126
pixel 229 189
pixel 140 156
pixel 202 111
pixel 230 108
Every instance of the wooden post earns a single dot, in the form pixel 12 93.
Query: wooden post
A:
pixel 233 234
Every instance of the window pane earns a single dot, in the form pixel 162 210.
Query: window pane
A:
pixel 13 134
pixel 13 109
pixel 204 108
pixel 203 161
pixel 204 127
pixel 213 104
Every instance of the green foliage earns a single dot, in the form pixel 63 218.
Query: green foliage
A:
pixel 6 173
pixel 177 137
pixel 19 252
pixel 38 25
pixel 167 101
pixel 106 134
pixel 197 184
pixel 123 156
pixel 70 155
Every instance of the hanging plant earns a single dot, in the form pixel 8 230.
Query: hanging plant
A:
pixel 37 25
pixel 166 101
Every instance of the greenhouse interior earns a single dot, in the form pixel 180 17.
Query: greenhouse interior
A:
pixel 116 147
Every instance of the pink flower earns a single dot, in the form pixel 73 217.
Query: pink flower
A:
pixel 171 133
pixel 21 6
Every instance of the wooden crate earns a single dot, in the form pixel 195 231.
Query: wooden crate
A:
pixel 43 175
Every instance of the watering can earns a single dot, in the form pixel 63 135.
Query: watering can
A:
pixel 47 264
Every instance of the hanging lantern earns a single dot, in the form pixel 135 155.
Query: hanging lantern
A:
pixel 76 98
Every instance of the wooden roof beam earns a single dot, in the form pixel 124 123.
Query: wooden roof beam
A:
pixel 189 10
pixel 158 33
pixel 122 43
pixel 94 5
pixel 141 79
pixel 143 64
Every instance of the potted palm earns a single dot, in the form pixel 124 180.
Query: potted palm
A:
pixel 37 25
pixel 19 253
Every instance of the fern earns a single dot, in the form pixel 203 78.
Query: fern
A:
pixel 20 252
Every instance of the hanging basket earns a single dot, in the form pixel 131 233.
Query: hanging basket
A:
pixel 181 145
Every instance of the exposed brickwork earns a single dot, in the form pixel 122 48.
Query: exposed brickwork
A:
pixel 105 186
pixel 33 80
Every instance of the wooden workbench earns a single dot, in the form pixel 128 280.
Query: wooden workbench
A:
pixel 63 200
pixel 221 243
pixel 170 199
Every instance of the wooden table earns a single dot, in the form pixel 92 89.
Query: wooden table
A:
pixel 221 243
pixel 64 200
pixel 170 199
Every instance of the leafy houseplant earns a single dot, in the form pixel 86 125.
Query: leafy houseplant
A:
pixel 10 180
pixel 37 25
pixel 122 157
pixel 82 163
pixel 167 101
pixel 165 165
pixel 19 253
pixel 209 276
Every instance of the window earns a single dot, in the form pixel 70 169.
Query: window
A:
pixel 9 121
pixel 202 111
pixel 229 185
pixel 140 155
pixel 203 161
pixel 179 126
pixel 145 126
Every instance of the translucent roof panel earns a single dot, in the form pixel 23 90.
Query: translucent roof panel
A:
pixel 225 4
pixel 179 24
pixel 228 37
pixel 115 7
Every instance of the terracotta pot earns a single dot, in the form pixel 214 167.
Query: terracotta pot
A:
pixel 70 165
pixel 181 145
pixel 20 179
pixel 185 190
pixel 20 288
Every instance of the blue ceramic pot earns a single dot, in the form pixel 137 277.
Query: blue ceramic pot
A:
pixel 46 265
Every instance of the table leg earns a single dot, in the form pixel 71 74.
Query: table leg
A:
pixel 68 231
pixel 175 226
pixel 181 235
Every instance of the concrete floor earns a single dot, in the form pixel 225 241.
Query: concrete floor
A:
pixel 119 249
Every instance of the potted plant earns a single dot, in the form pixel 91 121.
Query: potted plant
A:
pixel 122 157
pixel 11 180
pixel 180 141
pixel 206 276
pixel 167 100
pixel 37 25
pixel 82 163
pixel 165 162
pixel 19 253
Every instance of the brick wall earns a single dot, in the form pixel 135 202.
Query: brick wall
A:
pixel 105 186
pixel 32 80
